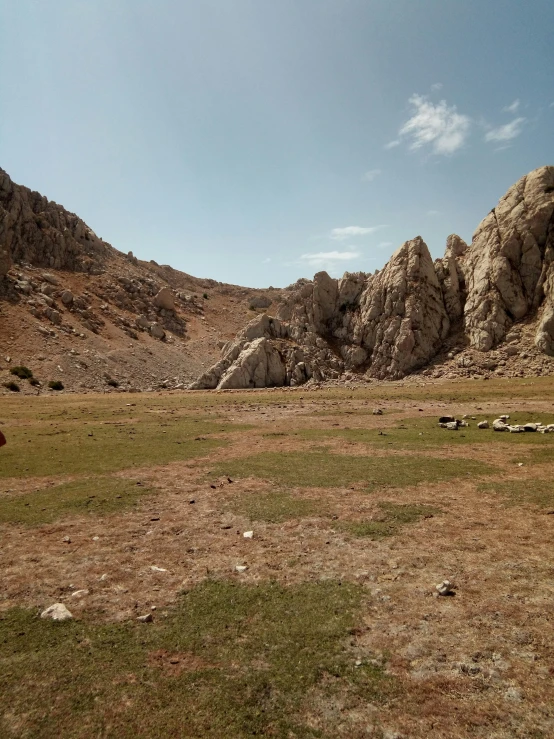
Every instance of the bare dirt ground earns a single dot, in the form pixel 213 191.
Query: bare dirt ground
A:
pixel 478 663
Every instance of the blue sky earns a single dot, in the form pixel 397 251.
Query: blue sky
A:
pixel 258 141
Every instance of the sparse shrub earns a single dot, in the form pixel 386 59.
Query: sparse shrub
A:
pixel 24 373
pixel 113 383
pixel 13 386
pixel 34 382
pixel 55 385
pixel 205 296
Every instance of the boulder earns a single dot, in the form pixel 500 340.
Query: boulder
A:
pixel 259 302
pixel 258 365
pixel 67 297
pixel 157 331
pixel 57 612
pixel 164 299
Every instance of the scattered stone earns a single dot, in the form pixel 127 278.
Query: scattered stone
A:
pixel 157 331
pixel 248 534
pixel 499 425
pixel 66 540
pixel 51 279
pixel 445 588
pixel 157 569
pixel 483 425
pixel 57 612
pixel 79 593
pixel 530 426
pixel 446 419
pixel 377 412
pixel 67 297
pixel 241 568
pixel 146 619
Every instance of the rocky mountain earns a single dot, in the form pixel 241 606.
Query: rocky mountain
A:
pixel 75 310
pixel 484 308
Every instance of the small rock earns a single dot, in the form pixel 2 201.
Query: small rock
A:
pixel 57 612
pixel 66 540
pixel 79 593
pixel 377 412
pixel 483 425
pixel 445 588
pixel 446 419
pixel 157 569
pixel 146 619
pixel 241 568
pixel 248 534
pixel 530 426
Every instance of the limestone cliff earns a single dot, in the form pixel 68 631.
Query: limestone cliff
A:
pixel 397 320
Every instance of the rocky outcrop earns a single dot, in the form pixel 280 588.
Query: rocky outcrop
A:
pixel 451 277
pixel 37 231
pixel 395 321
pixel 508 264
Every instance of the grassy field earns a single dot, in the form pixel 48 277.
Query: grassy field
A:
pixel 324 621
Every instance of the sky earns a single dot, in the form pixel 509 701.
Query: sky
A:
pixel 259 141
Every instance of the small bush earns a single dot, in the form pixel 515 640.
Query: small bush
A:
pixel 55 385
pixel 24 373
pixel 34 382
pixel 13 386
pixel 113 383
pixel 205 296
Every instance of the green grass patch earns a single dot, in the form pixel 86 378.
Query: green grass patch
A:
pixel 98 495
pixel 274 507
pixel 389 522
pixel 425 433
pixel 324 469
pixel 69 447
pixel 535 492
pixel 230 661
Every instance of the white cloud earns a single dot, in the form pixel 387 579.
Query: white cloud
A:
pixel 436 87
pixel 433 212
pixel 267 260
pixel 339 234
pixel 392 144
pixel 371 174
pixel 507 132
pixel 440 126
pixel 511 108
pixel 329 259
pixel 384 244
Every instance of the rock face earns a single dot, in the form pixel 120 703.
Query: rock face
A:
pixel 397 320
pixel 36 230
pixel 508 267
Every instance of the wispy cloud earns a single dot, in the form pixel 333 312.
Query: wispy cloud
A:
pixel 439 126
pixel 371 174
pixel 329 258
pixel 392 144
pixel 384 244
pixel 436 87
pixel 433 212
pixel 267 260
pixel 511 108
pixel 340 234
pixel 507 132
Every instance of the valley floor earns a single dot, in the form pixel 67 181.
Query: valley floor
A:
pixel 325 622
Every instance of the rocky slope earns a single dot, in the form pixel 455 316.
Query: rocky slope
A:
pixel 76 310
pixel 481 309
